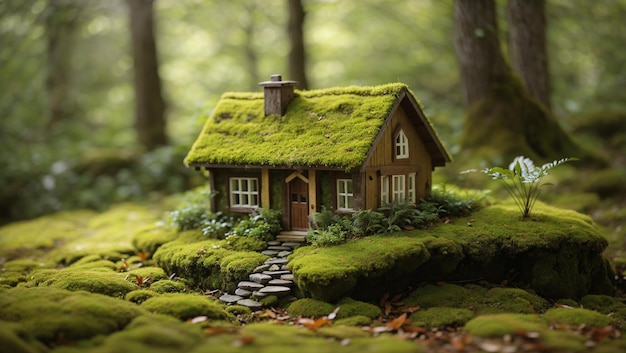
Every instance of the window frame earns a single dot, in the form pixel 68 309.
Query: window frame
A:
pixel 346 197
pixel 250 194
pixel 401 145
pixel 398 188
pixel 384 190
pixel 410 189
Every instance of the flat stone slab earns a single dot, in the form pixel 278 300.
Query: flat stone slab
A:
pixel 243 292
pixel 251 286
pixel 229 298
pixel 273 243
pixel 261 268
pixel 258 294
pixel 279 248
pixel 292 245
pixel 284 253
pixel 279 291
pixel 280 282
pixel 284 268
pixel 260 278
pixel 252 304
pixel 276 261
pixel 275 274
pixel 287 277
pixel 273 268
pixel 270 252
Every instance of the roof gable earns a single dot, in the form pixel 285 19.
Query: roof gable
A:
pixel 332 128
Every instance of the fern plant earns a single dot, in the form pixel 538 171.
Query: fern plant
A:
pixel 523 180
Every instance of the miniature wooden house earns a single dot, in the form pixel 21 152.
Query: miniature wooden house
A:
pixel 345 149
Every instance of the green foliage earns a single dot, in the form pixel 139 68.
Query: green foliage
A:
pixel 263 224
pixel 525 180
pixel 329 236
pixel 186 306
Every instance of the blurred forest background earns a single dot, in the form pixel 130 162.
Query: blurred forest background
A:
pixel 100 100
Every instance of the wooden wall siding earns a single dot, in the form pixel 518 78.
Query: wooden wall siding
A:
pixel 383 162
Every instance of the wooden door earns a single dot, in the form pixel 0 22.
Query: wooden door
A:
pixel 299 208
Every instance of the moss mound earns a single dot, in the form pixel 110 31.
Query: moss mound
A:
pixel 186 306
pixel 498 325
pixel 577 317
pixel 140 295
pixel 149 238
pixel 95 280
pixel 207 263
pixel 15 339
pixel 557 253
pixel 358 320
pixel 56 315
pixel 441 317
pixel 349 307
pixel 308 307
pixel 168 286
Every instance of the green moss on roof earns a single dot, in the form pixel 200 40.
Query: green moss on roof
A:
pixel 332 127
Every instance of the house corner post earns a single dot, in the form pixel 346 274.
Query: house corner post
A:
pixel 265 188
pixel 312 192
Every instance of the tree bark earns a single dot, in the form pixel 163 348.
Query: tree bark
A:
pixel 150 106
pixel 502 120
pixel 297 53
pixel 527 43
pixel 60 24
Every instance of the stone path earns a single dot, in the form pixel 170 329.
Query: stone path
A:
pixel 271 278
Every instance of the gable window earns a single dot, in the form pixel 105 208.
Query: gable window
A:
pixel 410 192
pixel 345 197
pixel 384 190
pixel 398 184
pixel 402 146
pixel 244 192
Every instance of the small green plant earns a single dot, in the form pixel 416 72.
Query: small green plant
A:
pixel 523 180
pixel 263 224
pixel 334 234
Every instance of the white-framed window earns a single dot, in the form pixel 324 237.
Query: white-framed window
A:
pixel 345 197
pixel 244 192
pixel 398 183
pixel 384 190
pixel 410 192
pixel 402 146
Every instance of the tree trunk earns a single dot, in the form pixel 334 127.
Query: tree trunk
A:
pixel 527 43
pixel 297 53
pixel 252 60
pixel 502 121
pixel 149 103
pixel 60 23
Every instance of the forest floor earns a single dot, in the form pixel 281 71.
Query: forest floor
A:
pixel 83 281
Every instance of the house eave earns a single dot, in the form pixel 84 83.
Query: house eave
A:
pixel 198 166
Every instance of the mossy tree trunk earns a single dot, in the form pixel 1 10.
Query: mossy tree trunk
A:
pixel 149 103
pixel 297 53
pixel 502 121
pixel 527 45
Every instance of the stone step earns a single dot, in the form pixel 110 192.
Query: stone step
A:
pixel 275 274
pixel 243 292
pixel 283 253
pixel 252 304
pixel 230 299
pixel 251 286
pixel 279 291
pixel 279 248
pixel 271 252
pixel 274 242
pixel 293 245
pixel 276 261
pixel 287 277
pixel 261 268
pixel 260 278
pixel 280 282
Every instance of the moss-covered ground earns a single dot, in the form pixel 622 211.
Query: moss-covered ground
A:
pixel 123 280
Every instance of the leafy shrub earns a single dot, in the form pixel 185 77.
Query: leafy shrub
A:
pixel 449 201
pixel 331 235
pixel 368 222
pixel 263 224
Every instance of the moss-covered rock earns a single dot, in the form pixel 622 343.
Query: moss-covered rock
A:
pixel 577 317
pixel 208 263
pixel 140 295
pixel 441 317
pixel 95 280
pixel 358 320
pixel 15 339
pixel 308 307
pixel 558 253
pixel 498 325
pixel 186 306
pixel 168 286
pixel 58 315
pixel 349 307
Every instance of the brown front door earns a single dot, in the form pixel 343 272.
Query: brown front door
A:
pixel 299 210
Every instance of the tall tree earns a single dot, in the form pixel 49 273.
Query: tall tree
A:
pixel 61 21
pixel 297 52
pixel 502 120
pixel 149 103
pixel 527 43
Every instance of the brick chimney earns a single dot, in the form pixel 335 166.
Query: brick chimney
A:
pixel 277 94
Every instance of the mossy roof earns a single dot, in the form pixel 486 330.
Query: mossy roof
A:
pixel 331 128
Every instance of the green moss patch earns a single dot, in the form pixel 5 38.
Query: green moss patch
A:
pixel 308 307
pixel 140 295
pixel 558 253
pixel 331 273
pixel 358 320
pixel 577 317
pixel 168 286
pixel 186 306
pixel 441 317
pixel 349 307
pixel 57 315
pixel 207 263
pixel 498 325
pixel 149 238
pixel 95 280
